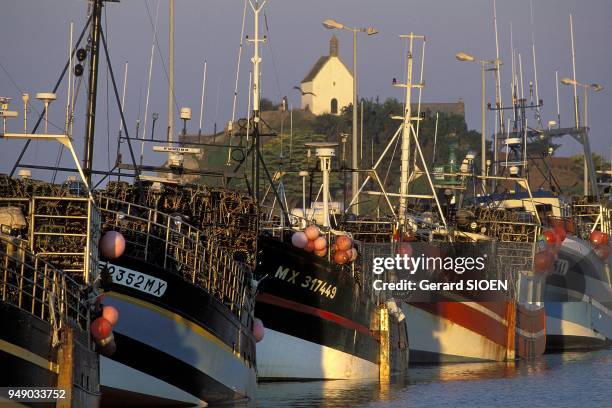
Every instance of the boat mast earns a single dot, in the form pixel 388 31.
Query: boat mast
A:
pixel 498 98
pixel 171 73
pixel 92 89
pixel 405 150
pixel 577 114
pixel 256 60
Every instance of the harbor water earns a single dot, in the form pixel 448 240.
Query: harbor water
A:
pixel 554 380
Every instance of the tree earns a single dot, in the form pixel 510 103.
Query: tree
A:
pixel 267 105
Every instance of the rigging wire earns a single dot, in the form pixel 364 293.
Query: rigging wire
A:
pixel 146 112
pixel 276 76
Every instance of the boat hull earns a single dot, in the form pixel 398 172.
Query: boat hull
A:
pixel 323 329
pixel 452 332
pixel 285 357
pixel 28 358
pixel 578 299
pixel 182 346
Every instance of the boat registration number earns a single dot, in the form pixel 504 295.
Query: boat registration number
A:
pixel 136 280
pixel 307 282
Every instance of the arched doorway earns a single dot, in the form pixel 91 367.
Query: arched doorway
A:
pixel 334 106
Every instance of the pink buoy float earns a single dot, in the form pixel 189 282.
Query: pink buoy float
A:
pixel 299 239
pixel 259 330
pixel 112 245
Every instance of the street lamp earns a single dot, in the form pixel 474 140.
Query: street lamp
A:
pixel 586 88
pixel 463 57
pixel 334 25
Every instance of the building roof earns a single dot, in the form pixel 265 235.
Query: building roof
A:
pixel 316 68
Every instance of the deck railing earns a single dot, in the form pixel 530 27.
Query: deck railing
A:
pixel 64 230
pixel 590 217
pixel 169 242
pixel 32 284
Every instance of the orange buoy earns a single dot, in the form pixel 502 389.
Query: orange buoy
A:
pixel 560 233
pixel 101 328
pixel 312 232
pixel 344 243
pixel 550 236
pixel 320 252
pixel 309 246
pixel 111 314
pixel 352 254
pixel 112 245
pixel 598 238
pixel 341 257
pixel 259 330
pixel 320 244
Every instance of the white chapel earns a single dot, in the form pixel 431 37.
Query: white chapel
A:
pixel 328 87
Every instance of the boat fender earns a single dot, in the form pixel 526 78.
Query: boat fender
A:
pixel 598 238
pixel 299 239
pixel 111 314
pixel 258 330
pixel 101 329
pixel 112 245
pixel 312 232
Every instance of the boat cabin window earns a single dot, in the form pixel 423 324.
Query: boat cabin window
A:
pixel 544 211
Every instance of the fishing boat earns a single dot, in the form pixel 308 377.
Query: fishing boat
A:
pixel 504 330
pixel 465 329
pixel 185 297
pixel 48 268
pixel 316 306
pixel 183 283
pixel 323 320
pixel 579 293
pixel 576 292
pixel 176 263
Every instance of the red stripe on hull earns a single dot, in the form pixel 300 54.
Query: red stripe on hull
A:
pixel 471 318
pixel 299 307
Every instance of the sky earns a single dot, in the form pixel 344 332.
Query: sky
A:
pixel 35 46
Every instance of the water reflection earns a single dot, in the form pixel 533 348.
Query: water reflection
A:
pixel 575 378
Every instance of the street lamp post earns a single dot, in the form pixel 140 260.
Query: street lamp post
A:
pixel 331 25
pixel 586 88
pixel 461 56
